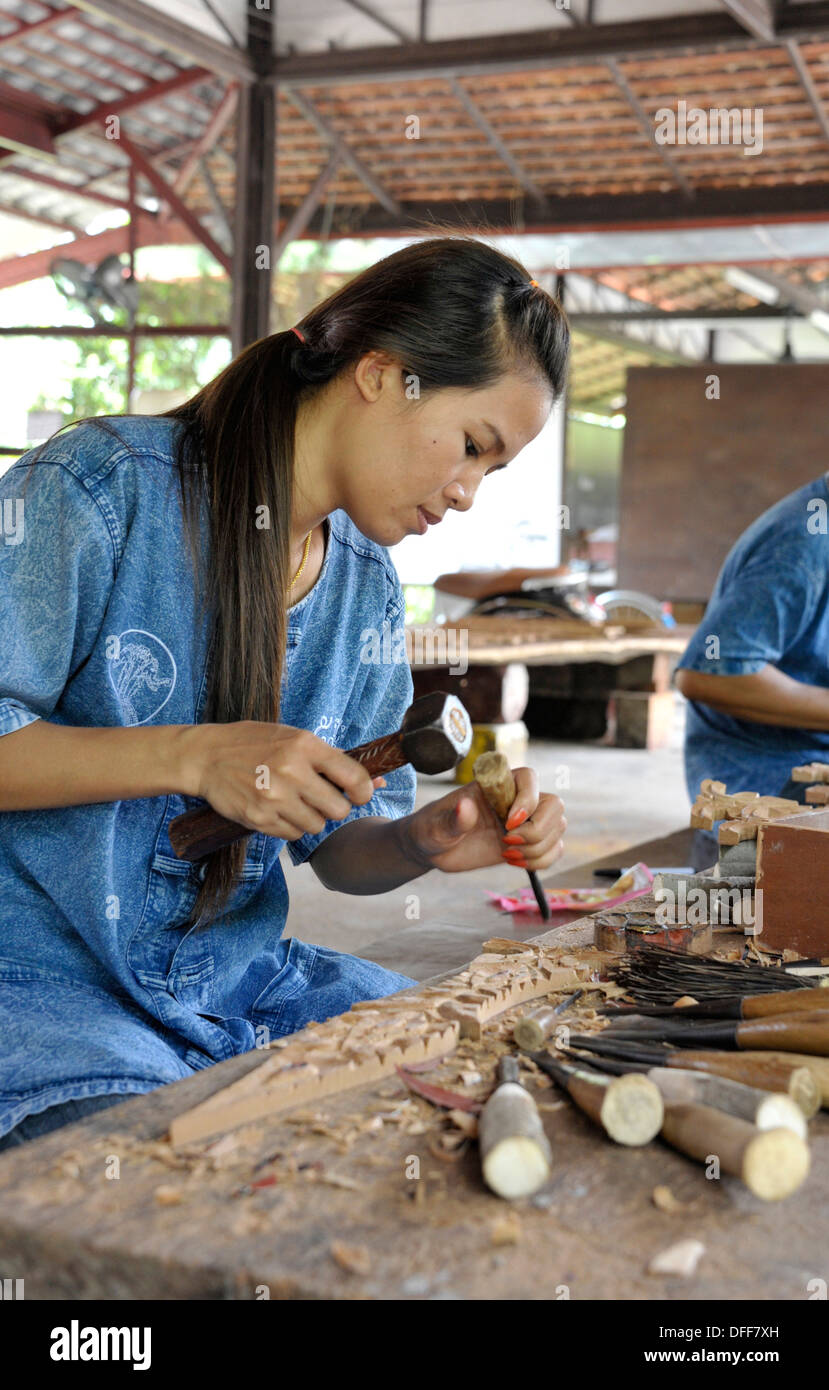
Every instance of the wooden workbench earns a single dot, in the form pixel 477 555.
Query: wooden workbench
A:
pixel 344 1220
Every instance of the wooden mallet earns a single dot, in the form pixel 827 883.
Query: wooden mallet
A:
pixel 435 734
pixel 492 773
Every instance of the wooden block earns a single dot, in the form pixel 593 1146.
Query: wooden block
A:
pixel 817 796
pixel 811 772
pixel 643 720
pixel 731 832
pixel 793 883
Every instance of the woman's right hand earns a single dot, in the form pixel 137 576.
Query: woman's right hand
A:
pixel 273 778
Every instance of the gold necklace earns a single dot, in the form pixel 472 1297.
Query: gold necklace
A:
pixel 304 557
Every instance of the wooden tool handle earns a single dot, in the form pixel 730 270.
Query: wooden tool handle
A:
pixel 772 1163
pixel 492 773
pixel 515 1154
pixel 765 1109
pixel 628 1108
pixel 787 1033
pixel 785 1001
pixel 767 1071
pixel 817 1067
pixel 199 832
pixel 531 1031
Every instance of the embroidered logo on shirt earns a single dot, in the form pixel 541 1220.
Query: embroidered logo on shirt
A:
pixel 142 672
pixel 328 724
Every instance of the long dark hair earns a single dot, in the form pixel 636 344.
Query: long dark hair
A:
pixel 455 312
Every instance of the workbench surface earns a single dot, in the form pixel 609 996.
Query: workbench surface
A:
pixel 339 1213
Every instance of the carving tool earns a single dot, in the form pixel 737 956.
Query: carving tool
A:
pixel 515 1154
pixel 807 1032
pixel 658 976
pixel 772 1163
pixel 492 773
pixel 765 1109
pixel 629 1108
pixel 532 1030
pixel 435 734
pixel 740 1006
pixel 797 1076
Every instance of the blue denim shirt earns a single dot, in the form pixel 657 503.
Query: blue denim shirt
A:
pixel 770 606
pixel 103 986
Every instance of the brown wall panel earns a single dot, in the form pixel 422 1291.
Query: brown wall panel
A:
pixel 696 472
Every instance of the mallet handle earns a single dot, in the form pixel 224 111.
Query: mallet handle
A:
pixel 197 833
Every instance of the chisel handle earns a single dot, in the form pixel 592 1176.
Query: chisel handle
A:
pixel 772 1163
pixel 493 775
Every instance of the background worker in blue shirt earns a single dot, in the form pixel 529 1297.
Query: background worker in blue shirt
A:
pixel 756 671
pixel 185 606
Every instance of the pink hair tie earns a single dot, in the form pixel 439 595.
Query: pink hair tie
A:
pixel 301 336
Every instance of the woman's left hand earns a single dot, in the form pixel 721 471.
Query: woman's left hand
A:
pixel 460 831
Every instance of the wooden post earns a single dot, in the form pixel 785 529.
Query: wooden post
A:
pixel 255 179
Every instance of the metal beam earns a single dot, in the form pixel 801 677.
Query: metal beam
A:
pixel 596 319
pixel 807 83
pixel 801 297
pixel 518 172
pixel 299 220
pixel 11 210
pixel 19 270
pixel 25 131
pixel 152 23
pixel 529 50
pixel 647 127
pixel 214 130
pixel 154 91
pixel 756 17
pixel 335 140
pixel 711 207
pixel 371 13
pixel 107 330
pixel 69 189
pixel 169 195
pixel 255 188
pixel 219 209
pixel 37 26
pixel 624 340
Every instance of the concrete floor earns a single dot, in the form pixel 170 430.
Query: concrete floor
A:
pixel 616 797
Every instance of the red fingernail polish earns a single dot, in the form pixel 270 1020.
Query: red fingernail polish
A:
pixel 513 840
pixel 512 856
pixel 517 818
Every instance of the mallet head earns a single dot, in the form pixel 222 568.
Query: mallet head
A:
pixel 436 732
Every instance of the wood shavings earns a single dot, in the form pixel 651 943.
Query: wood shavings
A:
pixel 168 1196
pixel 462 1120
pixel 470 1078
pixel 685 1001
pixel 341 1180
pixel 505 946
pixel 354 1259
pixel 681 1258
pixel 664 1199
pixel 506 1230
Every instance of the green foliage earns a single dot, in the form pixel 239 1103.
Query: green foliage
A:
pixel 97 382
